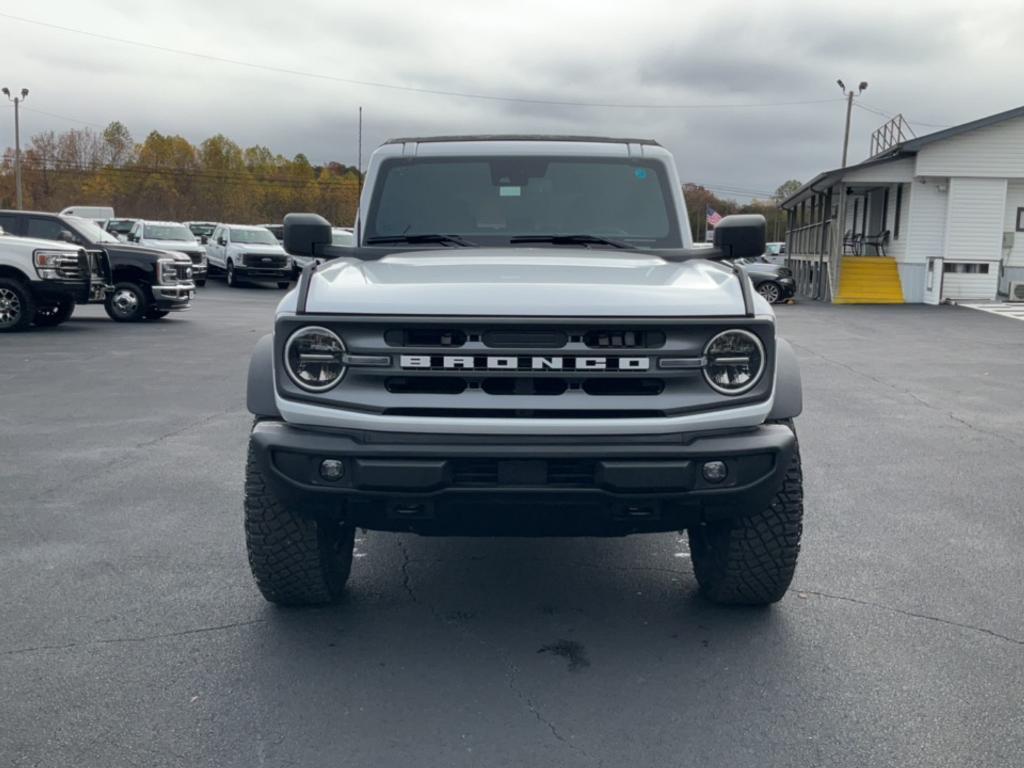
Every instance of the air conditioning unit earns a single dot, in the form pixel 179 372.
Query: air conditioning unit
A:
pixel 1016 292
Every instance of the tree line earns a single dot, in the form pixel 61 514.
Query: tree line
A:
pixel 167 177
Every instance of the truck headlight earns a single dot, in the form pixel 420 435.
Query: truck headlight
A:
pixel 734 361
pixel 167 271
pixel 49 263
pixel 313 358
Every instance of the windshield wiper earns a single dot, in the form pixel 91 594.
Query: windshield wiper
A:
pixel 416 239
pixel 571 240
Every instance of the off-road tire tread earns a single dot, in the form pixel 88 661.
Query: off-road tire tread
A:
pixel 28 304
pixel 751 560
pixel 292 557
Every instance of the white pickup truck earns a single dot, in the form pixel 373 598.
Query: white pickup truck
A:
pixel 523 341
pixel 248 254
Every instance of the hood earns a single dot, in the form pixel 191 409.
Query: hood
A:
pixel 275 250
pixel 35 242
pixel 526 282
pixel 174 245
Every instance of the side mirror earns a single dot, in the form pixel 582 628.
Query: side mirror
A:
pixel 221 241
pixel 741 235
pixel 306 233
pixel 203 239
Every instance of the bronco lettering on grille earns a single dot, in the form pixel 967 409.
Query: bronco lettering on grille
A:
pixel 498 363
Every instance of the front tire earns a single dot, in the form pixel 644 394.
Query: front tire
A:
pixel 283 284
pixel 127 303
pixel 17 307
pixel 200 283
pixel 230 278
pixel 771 292
pixel 49 316
pixel 750 560
pixel 295 560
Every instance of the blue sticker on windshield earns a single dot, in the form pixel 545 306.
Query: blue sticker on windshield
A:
pixel 640 173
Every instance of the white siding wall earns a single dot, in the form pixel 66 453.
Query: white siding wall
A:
pixel 974 219
pixel 925 222
pixel 996 151
pixel 896 170
pixel 1014 200
pixel 897 248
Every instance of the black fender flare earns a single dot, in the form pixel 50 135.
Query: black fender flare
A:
pixel 789 393
pixel 259 395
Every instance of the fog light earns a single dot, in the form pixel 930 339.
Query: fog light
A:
pixel 714 471
pixel 332 469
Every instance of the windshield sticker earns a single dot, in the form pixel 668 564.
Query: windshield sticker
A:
pixel 510 191
pixel 640 173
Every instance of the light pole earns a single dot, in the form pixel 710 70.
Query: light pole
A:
pixel 849 109
pixel 17 141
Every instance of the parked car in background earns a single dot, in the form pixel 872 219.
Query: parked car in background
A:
pixel 146 283
pixel 201 229
pixel 119 228
pixel 249 253
pixel 42 281
pixel 774 283
pixel 339 236
pixel 175 237
pixel 95 213
pixel 277 230
pixel 775 253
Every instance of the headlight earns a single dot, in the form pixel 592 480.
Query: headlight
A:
pixel 50 263
pixel 312 358
pixel 168 273
pixel 734 361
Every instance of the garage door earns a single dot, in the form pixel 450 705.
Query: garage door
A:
pixel 969 280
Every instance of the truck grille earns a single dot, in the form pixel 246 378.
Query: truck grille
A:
pixel 513 369
pixel 74 266
pixel 183 271
pixel 265 261
pixel 196 256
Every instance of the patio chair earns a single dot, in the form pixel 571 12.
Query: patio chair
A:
pixel 878 242
pixel 853 243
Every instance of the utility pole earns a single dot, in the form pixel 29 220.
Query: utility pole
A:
pixel 359 160
pixel 849 111
pixel 17 142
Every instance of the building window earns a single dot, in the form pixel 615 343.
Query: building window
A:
pixel 896 216
pixel 1020 219
pixel 961 268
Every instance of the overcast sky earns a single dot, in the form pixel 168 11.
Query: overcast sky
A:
pixel 936 62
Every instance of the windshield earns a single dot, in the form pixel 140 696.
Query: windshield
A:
pixel 492 200
pixel 258 236
pixel 90 230
pixel 202 229
pixel 120 226
pixel 342 237
pixel 174 232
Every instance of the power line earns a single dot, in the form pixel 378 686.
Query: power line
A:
pixel 889 116
pixel 406 88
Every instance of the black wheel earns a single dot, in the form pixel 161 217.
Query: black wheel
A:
pixel 771 292
pixel 295 560
pixel 200 283
pixel 283 284
pixel 54 314
pixel 155 314
pixel 232 281
pixel 751 560
pixel 17 308
pixel 127 303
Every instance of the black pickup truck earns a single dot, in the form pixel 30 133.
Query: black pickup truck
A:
pixel 145 283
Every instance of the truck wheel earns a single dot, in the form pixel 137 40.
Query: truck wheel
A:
pixel 127 303
pixel 231 280
pixel 200 283
pixel 155 314
pixel 295 560
pixel 49 316
pixel 283 284
pixel 750 560
pixel 17 309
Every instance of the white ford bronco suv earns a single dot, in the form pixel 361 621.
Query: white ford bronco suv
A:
pixel 522 341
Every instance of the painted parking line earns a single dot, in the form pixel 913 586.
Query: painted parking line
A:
pixel 1005 309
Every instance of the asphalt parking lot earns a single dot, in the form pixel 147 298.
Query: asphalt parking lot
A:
pixel 131 632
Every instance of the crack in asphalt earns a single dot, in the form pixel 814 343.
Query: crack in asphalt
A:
pixel 137 639
pixel 913 396
pixel 912 614
pixel 511 670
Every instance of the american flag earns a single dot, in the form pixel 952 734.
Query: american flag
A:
pixel 713 216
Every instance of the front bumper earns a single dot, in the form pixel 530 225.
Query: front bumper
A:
pixel 257 274
pixel 55 290
pixel 174 298
pixel 788 286
pixel 485 485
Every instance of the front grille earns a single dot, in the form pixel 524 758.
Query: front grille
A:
pixel 518 369
pixel 197 258
pixel 183 271
pixel 265 261
pixel 73 266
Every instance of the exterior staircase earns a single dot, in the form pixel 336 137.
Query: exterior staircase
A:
pixel 869 280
